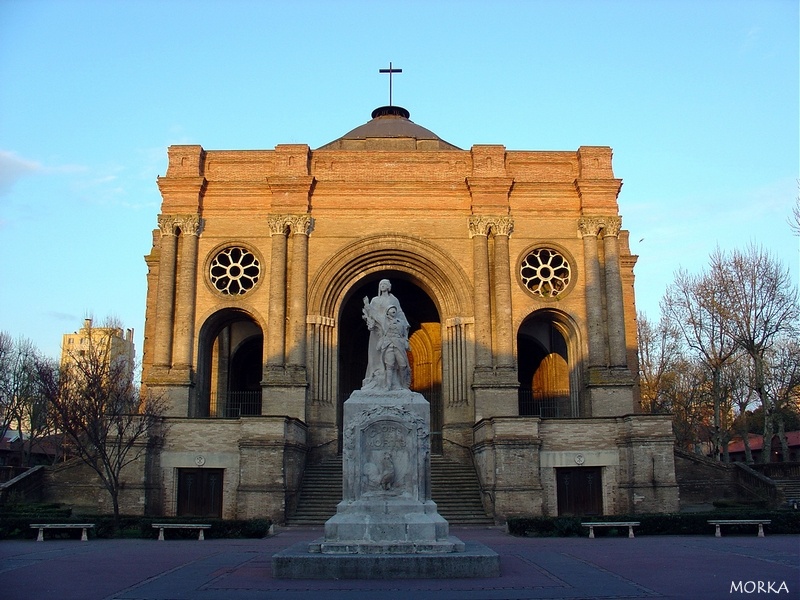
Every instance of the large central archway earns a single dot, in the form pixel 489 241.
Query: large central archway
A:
pixel 431 286
pixel 425 343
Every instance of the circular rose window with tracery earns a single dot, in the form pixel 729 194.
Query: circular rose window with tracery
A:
pixel 234 271
pixel 545 272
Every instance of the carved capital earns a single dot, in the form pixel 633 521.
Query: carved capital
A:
pixel 612 226
pixel 279 224
pixel 301 224
pixel 502 225
pixel 590 226
pixel 484 225
pixel 609 225
pixel 187 224
pixel 190 224
pixel 478 226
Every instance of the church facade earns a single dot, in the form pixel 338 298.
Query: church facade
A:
pixel 513 272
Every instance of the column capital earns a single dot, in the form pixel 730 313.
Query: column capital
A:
pixel 478 226
pixel 190 224
pixel 485 225
pixel 502 225
pixel 301 224
pixel 610 225
pixel 279 224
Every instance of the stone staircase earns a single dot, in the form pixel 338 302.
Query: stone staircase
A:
pixel 790 488
pixel 454 488
pixel 320 493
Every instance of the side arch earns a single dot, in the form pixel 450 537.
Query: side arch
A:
pixel 230 346
pixel 550 366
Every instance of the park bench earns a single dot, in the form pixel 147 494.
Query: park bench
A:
pixel 759 522
pixel 629 524
pixel 162 526
pixel 42 526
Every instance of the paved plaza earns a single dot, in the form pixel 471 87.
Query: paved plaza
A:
pixel 645 567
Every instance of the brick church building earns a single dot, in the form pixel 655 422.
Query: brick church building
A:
pixel 511 267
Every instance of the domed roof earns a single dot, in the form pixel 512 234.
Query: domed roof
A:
pixel 389 129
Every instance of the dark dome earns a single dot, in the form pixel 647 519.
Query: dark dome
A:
pixel 389 129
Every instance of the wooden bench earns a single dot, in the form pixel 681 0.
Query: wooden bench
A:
pixel 629 524
pixel 42 526
pixel 760 522
pixel 162 526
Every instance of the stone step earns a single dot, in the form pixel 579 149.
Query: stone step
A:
pixel 454 488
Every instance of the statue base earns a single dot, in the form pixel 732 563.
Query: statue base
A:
pixel 477 561
pixel 386 505
pixel 386 526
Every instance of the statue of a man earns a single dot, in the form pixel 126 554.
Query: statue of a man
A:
pixel 387 361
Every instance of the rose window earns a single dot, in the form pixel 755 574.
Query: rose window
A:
pixel 234 271
pixel 545 272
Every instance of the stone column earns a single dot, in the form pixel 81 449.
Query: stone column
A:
pixel 276 323
pixel 165 306
pixel 504 353
pixel 479 232
pixel 185 299
pixel 589 229
pixel 301 226
pixel 615 309
pixel 455 367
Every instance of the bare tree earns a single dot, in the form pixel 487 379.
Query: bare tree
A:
pixel 687 394
pixel 782 383
pixel 659 355
pixel 19 397
pixel 693 305
pixel 794 220
pixel 7 396
pixel 737 381
pixel 100 410
pixel 759 305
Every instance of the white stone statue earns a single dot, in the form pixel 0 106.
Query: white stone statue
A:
pixel 387 358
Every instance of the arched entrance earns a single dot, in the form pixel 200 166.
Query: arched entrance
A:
pixel 230 358
pixel 546 386
pixel 425 341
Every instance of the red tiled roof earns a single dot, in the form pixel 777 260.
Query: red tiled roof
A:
pixel 757 441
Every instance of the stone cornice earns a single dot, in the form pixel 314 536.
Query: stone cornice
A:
pixel 490 185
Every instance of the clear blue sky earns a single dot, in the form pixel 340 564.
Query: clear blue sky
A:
pixel 698 99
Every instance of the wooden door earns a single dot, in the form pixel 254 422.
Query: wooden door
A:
pixel 200 492
pixel 579 491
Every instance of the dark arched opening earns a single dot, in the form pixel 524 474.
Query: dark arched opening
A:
pixel 230 362
pixel 544 371
pixel 424 337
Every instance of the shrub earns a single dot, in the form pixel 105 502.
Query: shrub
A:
pixel 783 522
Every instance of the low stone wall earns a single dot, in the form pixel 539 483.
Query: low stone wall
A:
pixel 262 458
pixel 517 459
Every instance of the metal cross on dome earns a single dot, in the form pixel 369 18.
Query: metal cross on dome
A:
pixel 390 71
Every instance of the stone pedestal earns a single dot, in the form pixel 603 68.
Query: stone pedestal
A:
pixel 386 525
pixel 386 506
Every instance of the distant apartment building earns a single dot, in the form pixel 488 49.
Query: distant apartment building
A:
pixel 112 344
